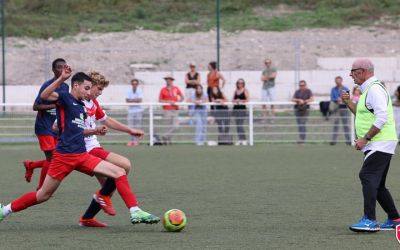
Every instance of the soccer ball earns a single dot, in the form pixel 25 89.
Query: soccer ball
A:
pixel 174 220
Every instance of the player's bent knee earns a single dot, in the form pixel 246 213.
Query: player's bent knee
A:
pixel 126 165
pixel 119 172
pixel 120 161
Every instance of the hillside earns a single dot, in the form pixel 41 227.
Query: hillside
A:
pixel 48 18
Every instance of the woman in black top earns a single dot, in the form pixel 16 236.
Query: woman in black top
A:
pixel 192 79
pixel 221 111
pixel 240 97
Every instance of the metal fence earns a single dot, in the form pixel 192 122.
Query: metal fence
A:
pixel 206 125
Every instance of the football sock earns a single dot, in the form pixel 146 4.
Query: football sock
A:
pixel 125 191
pixel 93 209
pixel 37 164
pixel 23 202
pixel 108 187
pixel 7 210
pixel 43 174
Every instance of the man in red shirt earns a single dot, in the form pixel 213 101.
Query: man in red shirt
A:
pixel 170 94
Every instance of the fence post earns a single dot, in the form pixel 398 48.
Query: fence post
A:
pixel 46 63
pixel 151 125
pixel 251 129
pixel 297 61
pixel 353 129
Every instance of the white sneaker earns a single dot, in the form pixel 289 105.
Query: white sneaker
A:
pixel 244 143
pixel 238 143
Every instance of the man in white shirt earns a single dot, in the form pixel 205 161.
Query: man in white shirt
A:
pixel 377 139
pixel 134 95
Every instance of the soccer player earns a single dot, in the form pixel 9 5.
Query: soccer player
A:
pixel 102 198
pixel 46 115
pixel 70 153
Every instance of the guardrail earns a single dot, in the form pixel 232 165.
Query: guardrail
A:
pixel 206 126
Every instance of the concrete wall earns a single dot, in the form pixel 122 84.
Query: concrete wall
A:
pixel 345 62
pixel 319 81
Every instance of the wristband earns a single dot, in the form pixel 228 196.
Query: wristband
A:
pixel 368 138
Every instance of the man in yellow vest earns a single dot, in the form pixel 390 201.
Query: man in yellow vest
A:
pixel 377 139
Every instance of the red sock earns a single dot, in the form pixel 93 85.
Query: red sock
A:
pixel 43 174
pixel 37 164
pixel 23 202
pixel 125 191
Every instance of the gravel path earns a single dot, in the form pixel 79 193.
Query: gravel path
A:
pixel 28 60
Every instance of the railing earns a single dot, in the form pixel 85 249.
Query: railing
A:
pixel 205 126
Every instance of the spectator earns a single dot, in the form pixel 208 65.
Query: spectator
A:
pixel 221 114
pixel 355 95
pixel 199 98
pixel 396 110
pixel 192 79
pixel 240 97
pixel 302 97
pixel 340 112
pixel 268 89
pixel 214 78
pixel 170 94
pixel 134 95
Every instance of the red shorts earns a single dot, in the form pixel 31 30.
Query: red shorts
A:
pixel 99 152
pixel 63 164
pixel 47 142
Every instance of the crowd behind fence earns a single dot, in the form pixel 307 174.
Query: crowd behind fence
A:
pixel 211 127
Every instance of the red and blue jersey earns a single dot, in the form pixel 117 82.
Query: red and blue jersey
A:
pixel 45 118
pixel 71 117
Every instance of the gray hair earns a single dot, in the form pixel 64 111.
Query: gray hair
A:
pixel 364 63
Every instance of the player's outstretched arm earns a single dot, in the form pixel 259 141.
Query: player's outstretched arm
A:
pixel 116 125
pixel 102 130
pixel 37 107
pixel 49 92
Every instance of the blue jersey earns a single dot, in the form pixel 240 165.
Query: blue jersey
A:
pixel 71 117
pixel 45 118
pixel 336 92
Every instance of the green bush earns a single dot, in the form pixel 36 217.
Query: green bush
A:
pixel 45 18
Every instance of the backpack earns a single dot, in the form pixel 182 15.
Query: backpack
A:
pixel 156 140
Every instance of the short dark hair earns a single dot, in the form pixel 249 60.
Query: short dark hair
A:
pixel 338 77
pixel 53 64
pixel 213 65
pixel 303 81
pixel 80 77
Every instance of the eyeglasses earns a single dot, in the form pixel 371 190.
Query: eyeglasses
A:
pixel 302 85
pixel 352 70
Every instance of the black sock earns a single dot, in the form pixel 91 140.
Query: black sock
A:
pixel 108 187
pixel 92 210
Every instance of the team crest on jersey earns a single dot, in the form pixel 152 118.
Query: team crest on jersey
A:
pixel 398 233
